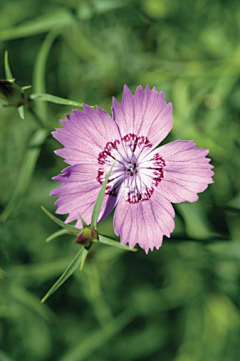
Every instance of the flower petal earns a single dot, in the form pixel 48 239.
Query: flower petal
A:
pixel 145 114
pixel 78 194
pixel 144 222
pixel 187 171
pixel 85 135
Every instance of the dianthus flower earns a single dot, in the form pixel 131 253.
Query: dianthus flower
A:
pixel 144 181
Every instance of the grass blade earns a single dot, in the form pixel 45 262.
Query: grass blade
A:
pixel 39 71
pixel 111 242
pixel 59 233
pixel 67 227
pixel 26 171
pixel 98 203
pixel 84 256
pixel 38 25
pixel 229 209
pixel 54 99
pixel 67 273
pixel 8 73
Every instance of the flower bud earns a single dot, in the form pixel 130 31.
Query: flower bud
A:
pixel 13 94
pixel 86 236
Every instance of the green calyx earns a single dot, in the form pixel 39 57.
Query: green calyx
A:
pixel 87 236
pixel 13 95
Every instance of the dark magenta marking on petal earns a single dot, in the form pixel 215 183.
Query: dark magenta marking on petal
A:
pixel 132 140
pixel 126 171
pixel 159 164
pixel 137 196
pixel 100 176
pixel 102 157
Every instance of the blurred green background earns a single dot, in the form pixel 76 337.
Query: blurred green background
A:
pixel 180 303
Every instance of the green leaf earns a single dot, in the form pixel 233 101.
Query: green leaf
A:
pixel 25 174
pixel 67 273
pixel 40 271
pixel 196 221
pixel 7 69
pixel 59 233
pixel 29 300
pixel 21 111
pixel 38 25
pixel 83 222
pixel 98 203
pixel 26 87
pixel 111 242
pixel 39 71
pixel 229 209
pixel 54 99
pixel 68 227
pixel 84 256
pixel 223 207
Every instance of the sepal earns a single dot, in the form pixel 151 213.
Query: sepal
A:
pixel 12 94
pixel 54 99
pixel 71 229
pixel 110 242
pixel 86 236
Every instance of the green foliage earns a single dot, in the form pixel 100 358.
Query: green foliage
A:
pixel 180 303
pixel 53 99
pixel 86 237
pixel 77 261
pixel 99 200
pixel 8 73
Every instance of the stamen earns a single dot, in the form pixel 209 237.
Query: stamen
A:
pixel 136 178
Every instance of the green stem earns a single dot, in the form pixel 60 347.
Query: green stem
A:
pixel 36 118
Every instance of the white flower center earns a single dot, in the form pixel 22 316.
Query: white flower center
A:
pixel 136 172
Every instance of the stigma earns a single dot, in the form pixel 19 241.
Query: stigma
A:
pixel 136 172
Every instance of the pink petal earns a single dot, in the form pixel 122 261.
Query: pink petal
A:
pixel 78 194
pixel 187 171
pixel 85 135
pixel 145 114
pixel 144 222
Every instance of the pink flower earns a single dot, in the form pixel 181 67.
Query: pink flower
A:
pixel 145 180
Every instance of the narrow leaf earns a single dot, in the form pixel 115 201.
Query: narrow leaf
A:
pixel 229 209
pixel 39 71
pixel 26 87
pixel 111 242
pixel 54 99
pixel 38 25
pixel 84 256
pixel 27 167
pixel 68 227
pixel 98 203
pixel 59 233
pixel 29 300
pixel 67 273
pixel 7 69
pixel 43 271
pixel 21 111
pixel 83 222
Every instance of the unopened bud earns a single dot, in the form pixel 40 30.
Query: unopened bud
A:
pixel 13 94
pixel 86 236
